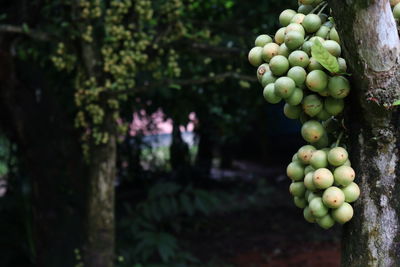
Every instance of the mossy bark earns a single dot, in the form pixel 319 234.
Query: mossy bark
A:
pixel 371 47
pixel 100 235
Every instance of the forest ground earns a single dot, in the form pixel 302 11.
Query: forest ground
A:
pixel 268 231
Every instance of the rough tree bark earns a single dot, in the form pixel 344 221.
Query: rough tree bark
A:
pixel 99 249
pixel 371 46
pixel 100 233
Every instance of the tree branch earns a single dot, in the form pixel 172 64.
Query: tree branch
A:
pixel 34 34
pixel 185 82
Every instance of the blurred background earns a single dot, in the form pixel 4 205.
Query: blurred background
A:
pixel 201 156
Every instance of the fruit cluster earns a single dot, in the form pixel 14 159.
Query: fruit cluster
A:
pixel 302 66
pixel 323 184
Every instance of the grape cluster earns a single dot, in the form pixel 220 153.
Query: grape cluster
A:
pixel 301 65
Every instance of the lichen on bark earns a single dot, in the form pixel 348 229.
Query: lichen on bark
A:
pixel 371 47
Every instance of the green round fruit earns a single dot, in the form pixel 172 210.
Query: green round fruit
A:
pixel 323 178
pixel 269 94
pixel 334 106
pixel 342 65
pixel 296 98
pixel 308 182
pixel 308 169
pixel 262 69
pixel 317 208
pixel 284 87
pixel 280 36
pixel 333 35
pixel 283 50
pixel 298 18
pixel 267 78
pixel 269 51
pixel 292 112
pixel 323 115
pixel 295 27
pixel 344 175
pixel 308 216
pixel 324 92
pixel 298 74
pixel 306 194
pixel 255 56
pixel 305 153
pixel 324 17
pixel 295 158
pixel 326 222
pixel 333 47
pixel 286 16
pixel 304 118
pixel 351 192
pixel 317 80
pixel 262 40
pixel 297 189
pixel 312 105
pixel 322 142
pixel 337 156
pixel 312 131
pixel 314 65
pixel 319 159
pixel 312 195
pixel 396 11
pixel 347 163
pixel 300 202
pixel 295 171
pixel 323 32
pixel 305 9
pixel 279 65
pixel 294 40
pixel 307 2
pixel 339 87
pixel 312 23
pixel 333 197
pixel 314 38
pixel 343 214
pixel 306 47
pixel 299 58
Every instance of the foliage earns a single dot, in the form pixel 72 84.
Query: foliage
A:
pixel 155 221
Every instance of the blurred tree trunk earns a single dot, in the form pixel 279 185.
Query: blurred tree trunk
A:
pixel 371 45
pixel 48 154
pixel 204 155
pixel 100 234
pixel 179 150
pixel 99 249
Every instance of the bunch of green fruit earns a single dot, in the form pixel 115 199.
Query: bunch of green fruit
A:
pixel 302 65
pixel 323 184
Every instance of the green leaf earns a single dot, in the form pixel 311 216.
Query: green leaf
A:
pixel 175 86
pixel 396 103
pixel 25 27
pixel 324 58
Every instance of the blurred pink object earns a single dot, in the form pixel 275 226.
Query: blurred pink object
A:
pixel 156 123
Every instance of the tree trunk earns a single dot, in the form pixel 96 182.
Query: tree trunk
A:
pixel 48 154
pixel 99 249
pixel 179 150
pixel 371 46
pixel 204 155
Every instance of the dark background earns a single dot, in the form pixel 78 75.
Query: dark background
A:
pixel 235 208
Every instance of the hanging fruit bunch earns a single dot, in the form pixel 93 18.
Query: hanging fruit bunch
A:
pixel 302 65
